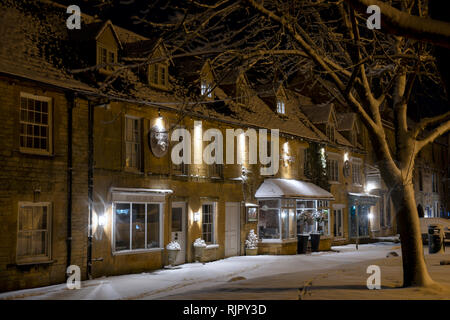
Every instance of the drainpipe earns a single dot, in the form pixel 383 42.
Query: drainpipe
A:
pixel 71 104
pixel 90 184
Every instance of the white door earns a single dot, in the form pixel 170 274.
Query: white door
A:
pixel 178 231
pixel 232 222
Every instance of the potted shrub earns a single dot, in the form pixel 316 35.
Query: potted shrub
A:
pixel 199 247
pixel 173 248
pixel 251 244
pixel 319 217
pixel 306 219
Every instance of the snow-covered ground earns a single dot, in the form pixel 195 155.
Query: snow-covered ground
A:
pixel 246 277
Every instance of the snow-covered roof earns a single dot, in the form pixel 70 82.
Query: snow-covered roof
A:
pixel 318 114
pixel 287 188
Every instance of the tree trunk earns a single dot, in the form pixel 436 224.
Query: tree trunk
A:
pixel 415 272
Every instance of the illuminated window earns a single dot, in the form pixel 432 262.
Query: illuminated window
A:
pixel 33 232
pixel 208 217
pixel 205 89
pixel 137 226
pixel 35 123
pixel 356 173
pixel 333 169
pixel 281 109
pixel 132 143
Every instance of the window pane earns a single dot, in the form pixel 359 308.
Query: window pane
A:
pixel 268 224
pixel 138 227
pixel 24 244
pixel 177 220
pixel 38 242
pixel 292 223
pixel 285 223
pixel 122 226
pixel 26 218
pixel 153 213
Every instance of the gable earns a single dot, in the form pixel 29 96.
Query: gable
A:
pixel 108 37
pixel 206 72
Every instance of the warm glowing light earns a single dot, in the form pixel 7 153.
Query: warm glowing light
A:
pixel 196 216
pixel 159 123
pixel 370 186
pixel 370 216
pixel 286 147
pixel 102 220
pixel 198 142
pixel 346 156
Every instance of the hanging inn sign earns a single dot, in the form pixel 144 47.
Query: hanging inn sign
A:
pixel 158 140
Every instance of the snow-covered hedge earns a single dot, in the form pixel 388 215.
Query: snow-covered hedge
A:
pixel 199 242
pixel 252 242
pixel 174 245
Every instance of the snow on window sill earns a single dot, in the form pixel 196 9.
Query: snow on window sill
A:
pixel 138 251
pixel 212 246
pixel 278 240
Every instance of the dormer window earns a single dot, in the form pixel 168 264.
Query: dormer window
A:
pixel 281 108
pixel 158 75
pixel 241 97
pixel 205 89
pixel 330 132
pixel 106 57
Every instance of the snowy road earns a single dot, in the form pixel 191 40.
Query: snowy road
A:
pixel 190 279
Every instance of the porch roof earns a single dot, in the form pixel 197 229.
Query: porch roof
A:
pixel 288 188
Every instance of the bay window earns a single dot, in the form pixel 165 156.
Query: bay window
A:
pixel 277 219
pixel 313 216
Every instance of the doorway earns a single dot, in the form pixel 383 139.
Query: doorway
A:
pixel 178 229
pixel 232 228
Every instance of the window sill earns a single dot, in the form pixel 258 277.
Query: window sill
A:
pixel 28 263
pixel 334 182
pixel 36 152
pixel 138 251
pixel 133 171
pixel 211 246
pixel 278 240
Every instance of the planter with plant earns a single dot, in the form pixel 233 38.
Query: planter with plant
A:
pixel 173 248
pixel 319 217
pixel 199 247
pixel 251 244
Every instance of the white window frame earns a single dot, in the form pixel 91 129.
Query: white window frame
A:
pixel 335 170
pixel 133 143
pixel 49 150
pixel 40 258
pixel 213 223
pixel 107 59
pixel 357 162
pixel 281 106
pixel 339 235
pixel 161 228
pixel 156 71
